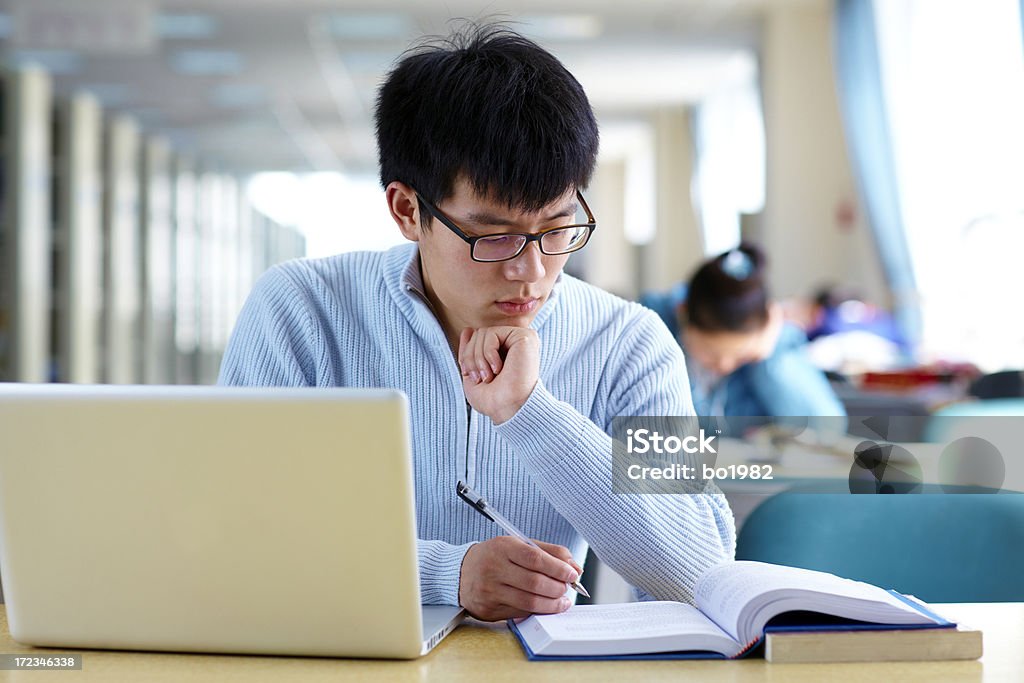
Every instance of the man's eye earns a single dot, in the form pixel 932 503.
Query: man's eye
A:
pixel 560 237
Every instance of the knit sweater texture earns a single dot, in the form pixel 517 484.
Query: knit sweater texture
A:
pixel 363 320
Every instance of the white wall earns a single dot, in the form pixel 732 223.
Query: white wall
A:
pixel 809 176
pixel 677 248
pixel 607 261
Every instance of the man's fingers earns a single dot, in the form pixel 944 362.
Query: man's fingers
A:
pixel 478 351
pixel 561 552
pixel 533 604
pixel 469 364
pixel 464 338
pixel 533 582
pixel 479 343
pixel 492 352
pixel 535 559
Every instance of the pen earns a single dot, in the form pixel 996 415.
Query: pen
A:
pixel 484 508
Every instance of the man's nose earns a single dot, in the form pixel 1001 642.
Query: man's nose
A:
pixel 528 266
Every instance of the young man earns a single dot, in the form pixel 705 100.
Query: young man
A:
pixel 514 370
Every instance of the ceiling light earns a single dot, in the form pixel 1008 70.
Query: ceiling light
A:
pixel 184 26
pixel 148 116
pixel 58 62
pixel 207 62
pixel 109 94
pixel 368 25
pixel 562 26
pixel 238 95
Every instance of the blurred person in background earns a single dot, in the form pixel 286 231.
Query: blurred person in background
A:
pixel 850 336
pixel 742 358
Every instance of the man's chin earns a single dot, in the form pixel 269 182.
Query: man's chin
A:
pixel 511 320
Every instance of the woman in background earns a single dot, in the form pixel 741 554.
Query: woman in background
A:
pixel 742 358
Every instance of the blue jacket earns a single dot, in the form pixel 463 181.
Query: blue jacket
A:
pixel 784 384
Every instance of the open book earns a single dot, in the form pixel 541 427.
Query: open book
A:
pixel 735 603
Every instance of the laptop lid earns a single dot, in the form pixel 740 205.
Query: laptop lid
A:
pixel 275 521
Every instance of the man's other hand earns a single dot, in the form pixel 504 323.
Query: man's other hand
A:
pixel 499 366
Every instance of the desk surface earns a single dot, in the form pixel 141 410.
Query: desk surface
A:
pixel 475 652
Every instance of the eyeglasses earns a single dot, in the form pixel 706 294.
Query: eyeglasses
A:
pixel 504 246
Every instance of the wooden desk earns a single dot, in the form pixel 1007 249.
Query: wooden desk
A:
pixel 490 653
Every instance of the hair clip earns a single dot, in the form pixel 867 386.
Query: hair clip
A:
pixel 737 265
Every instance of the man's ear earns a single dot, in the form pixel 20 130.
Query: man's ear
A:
pixel 405 209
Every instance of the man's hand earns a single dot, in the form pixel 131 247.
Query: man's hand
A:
pixel 500 366
pixel 504 578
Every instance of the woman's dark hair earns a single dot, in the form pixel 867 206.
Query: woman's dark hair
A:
pixel 728 293
pixel 489 105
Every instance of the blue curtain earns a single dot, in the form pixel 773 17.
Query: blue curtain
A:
pixel 862 103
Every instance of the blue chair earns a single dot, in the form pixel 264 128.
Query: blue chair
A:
pixel 973 418
pixel 939 547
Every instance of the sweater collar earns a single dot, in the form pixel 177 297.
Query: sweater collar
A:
pixel 404 282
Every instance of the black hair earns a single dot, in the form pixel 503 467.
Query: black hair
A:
pixel 491 106
pixel 728 293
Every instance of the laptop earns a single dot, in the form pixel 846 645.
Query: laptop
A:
pixel 208 519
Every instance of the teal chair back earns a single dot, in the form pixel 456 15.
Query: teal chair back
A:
pixel 939 547
pixel 978 418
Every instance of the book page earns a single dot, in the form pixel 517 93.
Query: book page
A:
pixel 632 620
pixel 724 590
pixel 727 590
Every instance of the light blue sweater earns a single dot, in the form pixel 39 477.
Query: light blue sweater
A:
pixel 363 320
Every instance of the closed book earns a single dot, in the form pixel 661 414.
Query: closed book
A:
pixel 898 645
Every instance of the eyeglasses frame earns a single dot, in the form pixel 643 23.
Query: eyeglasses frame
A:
pixel 591 225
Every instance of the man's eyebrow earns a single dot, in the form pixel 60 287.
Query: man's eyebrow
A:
pixel 485 218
